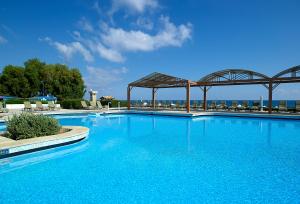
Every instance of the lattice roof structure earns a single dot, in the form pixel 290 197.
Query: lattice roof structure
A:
pixel 233 77
pixel 293 71
pixel 159 80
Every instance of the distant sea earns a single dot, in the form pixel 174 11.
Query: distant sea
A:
pixel 290 103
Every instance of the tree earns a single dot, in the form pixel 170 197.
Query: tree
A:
pixel 37 77
pixel 33 71
pixel 14 82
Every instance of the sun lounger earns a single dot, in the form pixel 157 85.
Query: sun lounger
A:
pixel 297 109
pixel 27 106
pixel 234 105
pixel 2 109
pixel 93 105
pixel 177 105
pixel 51 105
pixel 213 105
pixel 201 105
pixel 144 104
pixel 244 106
pixel 158 105
pixel 255 106
pixel 282 106
pixel 99 105
pixel 183 106
pixel 166 104
pixel 172 105
pixel 195 105
pixel 85 106
pixel 222 106
pixel 39 106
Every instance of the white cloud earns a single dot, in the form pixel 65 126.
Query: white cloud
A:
pixel 96 47
pixel 137 6
pixel 69 49
pixel 104 52
pixel 145 23
pixel 102 78
pixel 97 7
pixel 136 40
pixel 85 25
pixel 111 42
pixel 2 40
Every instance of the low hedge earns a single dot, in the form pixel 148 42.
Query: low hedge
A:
pixel 114 103
pixel 15 101
pixel 28 125
pixel 21 101
pixel 71 104
pixel 76 103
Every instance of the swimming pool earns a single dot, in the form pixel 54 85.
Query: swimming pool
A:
pixel 160 159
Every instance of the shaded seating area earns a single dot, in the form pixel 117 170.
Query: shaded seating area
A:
pixel 227 77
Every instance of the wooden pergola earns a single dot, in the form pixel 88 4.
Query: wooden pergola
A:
pixel 157 81
pixel 225 77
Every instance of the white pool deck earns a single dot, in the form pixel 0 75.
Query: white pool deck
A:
pixel 182 113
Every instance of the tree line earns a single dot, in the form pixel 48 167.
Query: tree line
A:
pixel 38 78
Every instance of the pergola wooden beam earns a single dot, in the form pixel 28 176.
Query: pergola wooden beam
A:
pixel 128 97
pixel 204 98
pixel 188 86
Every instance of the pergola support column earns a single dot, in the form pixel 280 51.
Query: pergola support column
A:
pixel 154 90
pixel 204 98
pixel 128 97
pixel 270 97
pixel 188 106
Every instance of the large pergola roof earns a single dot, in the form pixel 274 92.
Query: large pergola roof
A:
pixel 220 78
pixel 159 80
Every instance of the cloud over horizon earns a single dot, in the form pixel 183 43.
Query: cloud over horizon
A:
pixel 105 75
pixel 112 42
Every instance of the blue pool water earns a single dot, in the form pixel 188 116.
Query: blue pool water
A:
pixel 160 159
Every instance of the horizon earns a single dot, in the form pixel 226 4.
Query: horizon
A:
pixel 116 42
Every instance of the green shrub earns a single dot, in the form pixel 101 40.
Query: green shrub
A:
pixel 114 103
pixel 28 125
pixel 71 104
pixel 21 101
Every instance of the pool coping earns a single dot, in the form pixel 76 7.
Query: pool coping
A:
pixel 227 114
pixel 9 147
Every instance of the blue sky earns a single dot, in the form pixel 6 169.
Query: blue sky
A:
pixel 114 42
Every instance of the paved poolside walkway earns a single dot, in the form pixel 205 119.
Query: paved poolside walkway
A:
pixel 4 116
